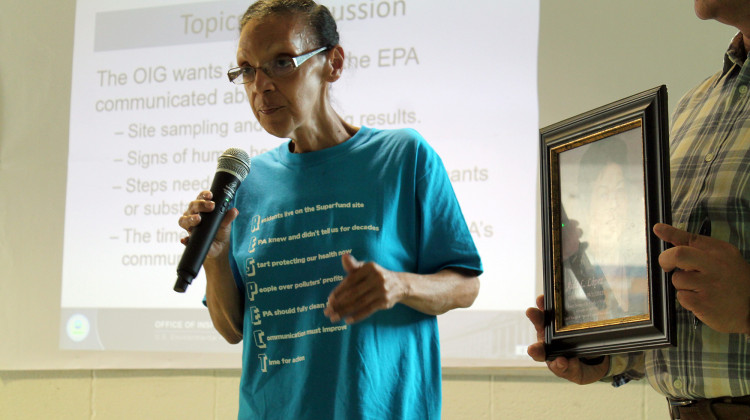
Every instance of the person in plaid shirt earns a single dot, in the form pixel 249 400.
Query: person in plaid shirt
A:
pixel 707 375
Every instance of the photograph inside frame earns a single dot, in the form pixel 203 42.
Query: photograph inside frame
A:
pixel 604 264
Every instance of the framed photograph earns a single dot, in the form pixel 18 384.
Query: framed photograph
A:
pixel 605 183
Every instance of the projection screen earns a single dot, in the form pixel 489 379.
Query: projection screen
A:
pixel 152 109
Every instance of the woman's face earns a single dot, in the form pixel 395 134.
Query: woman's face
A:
pixel 286 107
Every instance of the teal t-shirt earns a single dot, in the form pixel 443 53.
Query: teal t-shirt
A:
pixel 383 196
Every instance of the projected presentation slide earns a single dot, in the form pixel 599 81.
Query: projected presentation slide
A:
pixel 152 110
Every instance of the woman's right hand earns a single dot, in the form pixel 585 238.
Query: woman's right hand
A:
pixel 191 218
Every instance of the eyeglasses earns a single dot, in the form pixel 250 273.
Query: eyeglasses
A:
pixel 279 67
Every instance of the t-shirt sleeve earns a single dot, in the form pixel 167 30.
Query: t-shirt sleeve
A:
pixel 445 240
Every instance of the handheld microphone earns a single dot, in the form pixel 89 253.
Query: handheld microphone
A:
pixel 233 167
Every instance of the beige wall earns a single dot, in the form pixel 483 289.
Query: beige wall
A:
pixel 591 52
pixel 208 394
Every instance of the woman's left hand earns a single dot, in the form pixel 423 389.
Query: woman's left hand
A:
pixel 366 289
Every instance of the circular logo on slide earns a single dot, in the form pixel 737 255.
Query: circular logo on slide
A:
pixel 78 327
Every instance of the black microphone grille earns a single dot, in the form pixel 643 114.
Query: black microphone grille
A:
pixel 235 161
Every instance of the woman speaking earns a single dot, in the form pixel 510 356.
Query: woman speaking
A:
pixel 344 244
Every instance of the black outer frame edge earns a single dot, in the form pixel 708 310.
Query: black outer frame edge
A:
pixel 654 103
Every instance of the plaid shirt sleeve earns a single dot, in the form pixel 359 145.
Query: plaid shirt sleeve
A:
pixel 624 368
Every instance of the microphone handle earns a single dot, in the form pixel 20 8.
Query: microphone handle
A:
pixel 223 188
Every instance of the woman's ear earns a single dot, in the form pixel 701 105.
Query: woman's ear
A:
pixel 335 63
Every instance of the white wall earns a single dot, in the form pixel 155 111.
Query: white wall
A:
pixel 186 395
pixel 592 52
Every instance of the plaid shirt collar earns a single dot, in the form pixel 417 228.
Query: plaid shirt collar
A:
pixel 736 54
